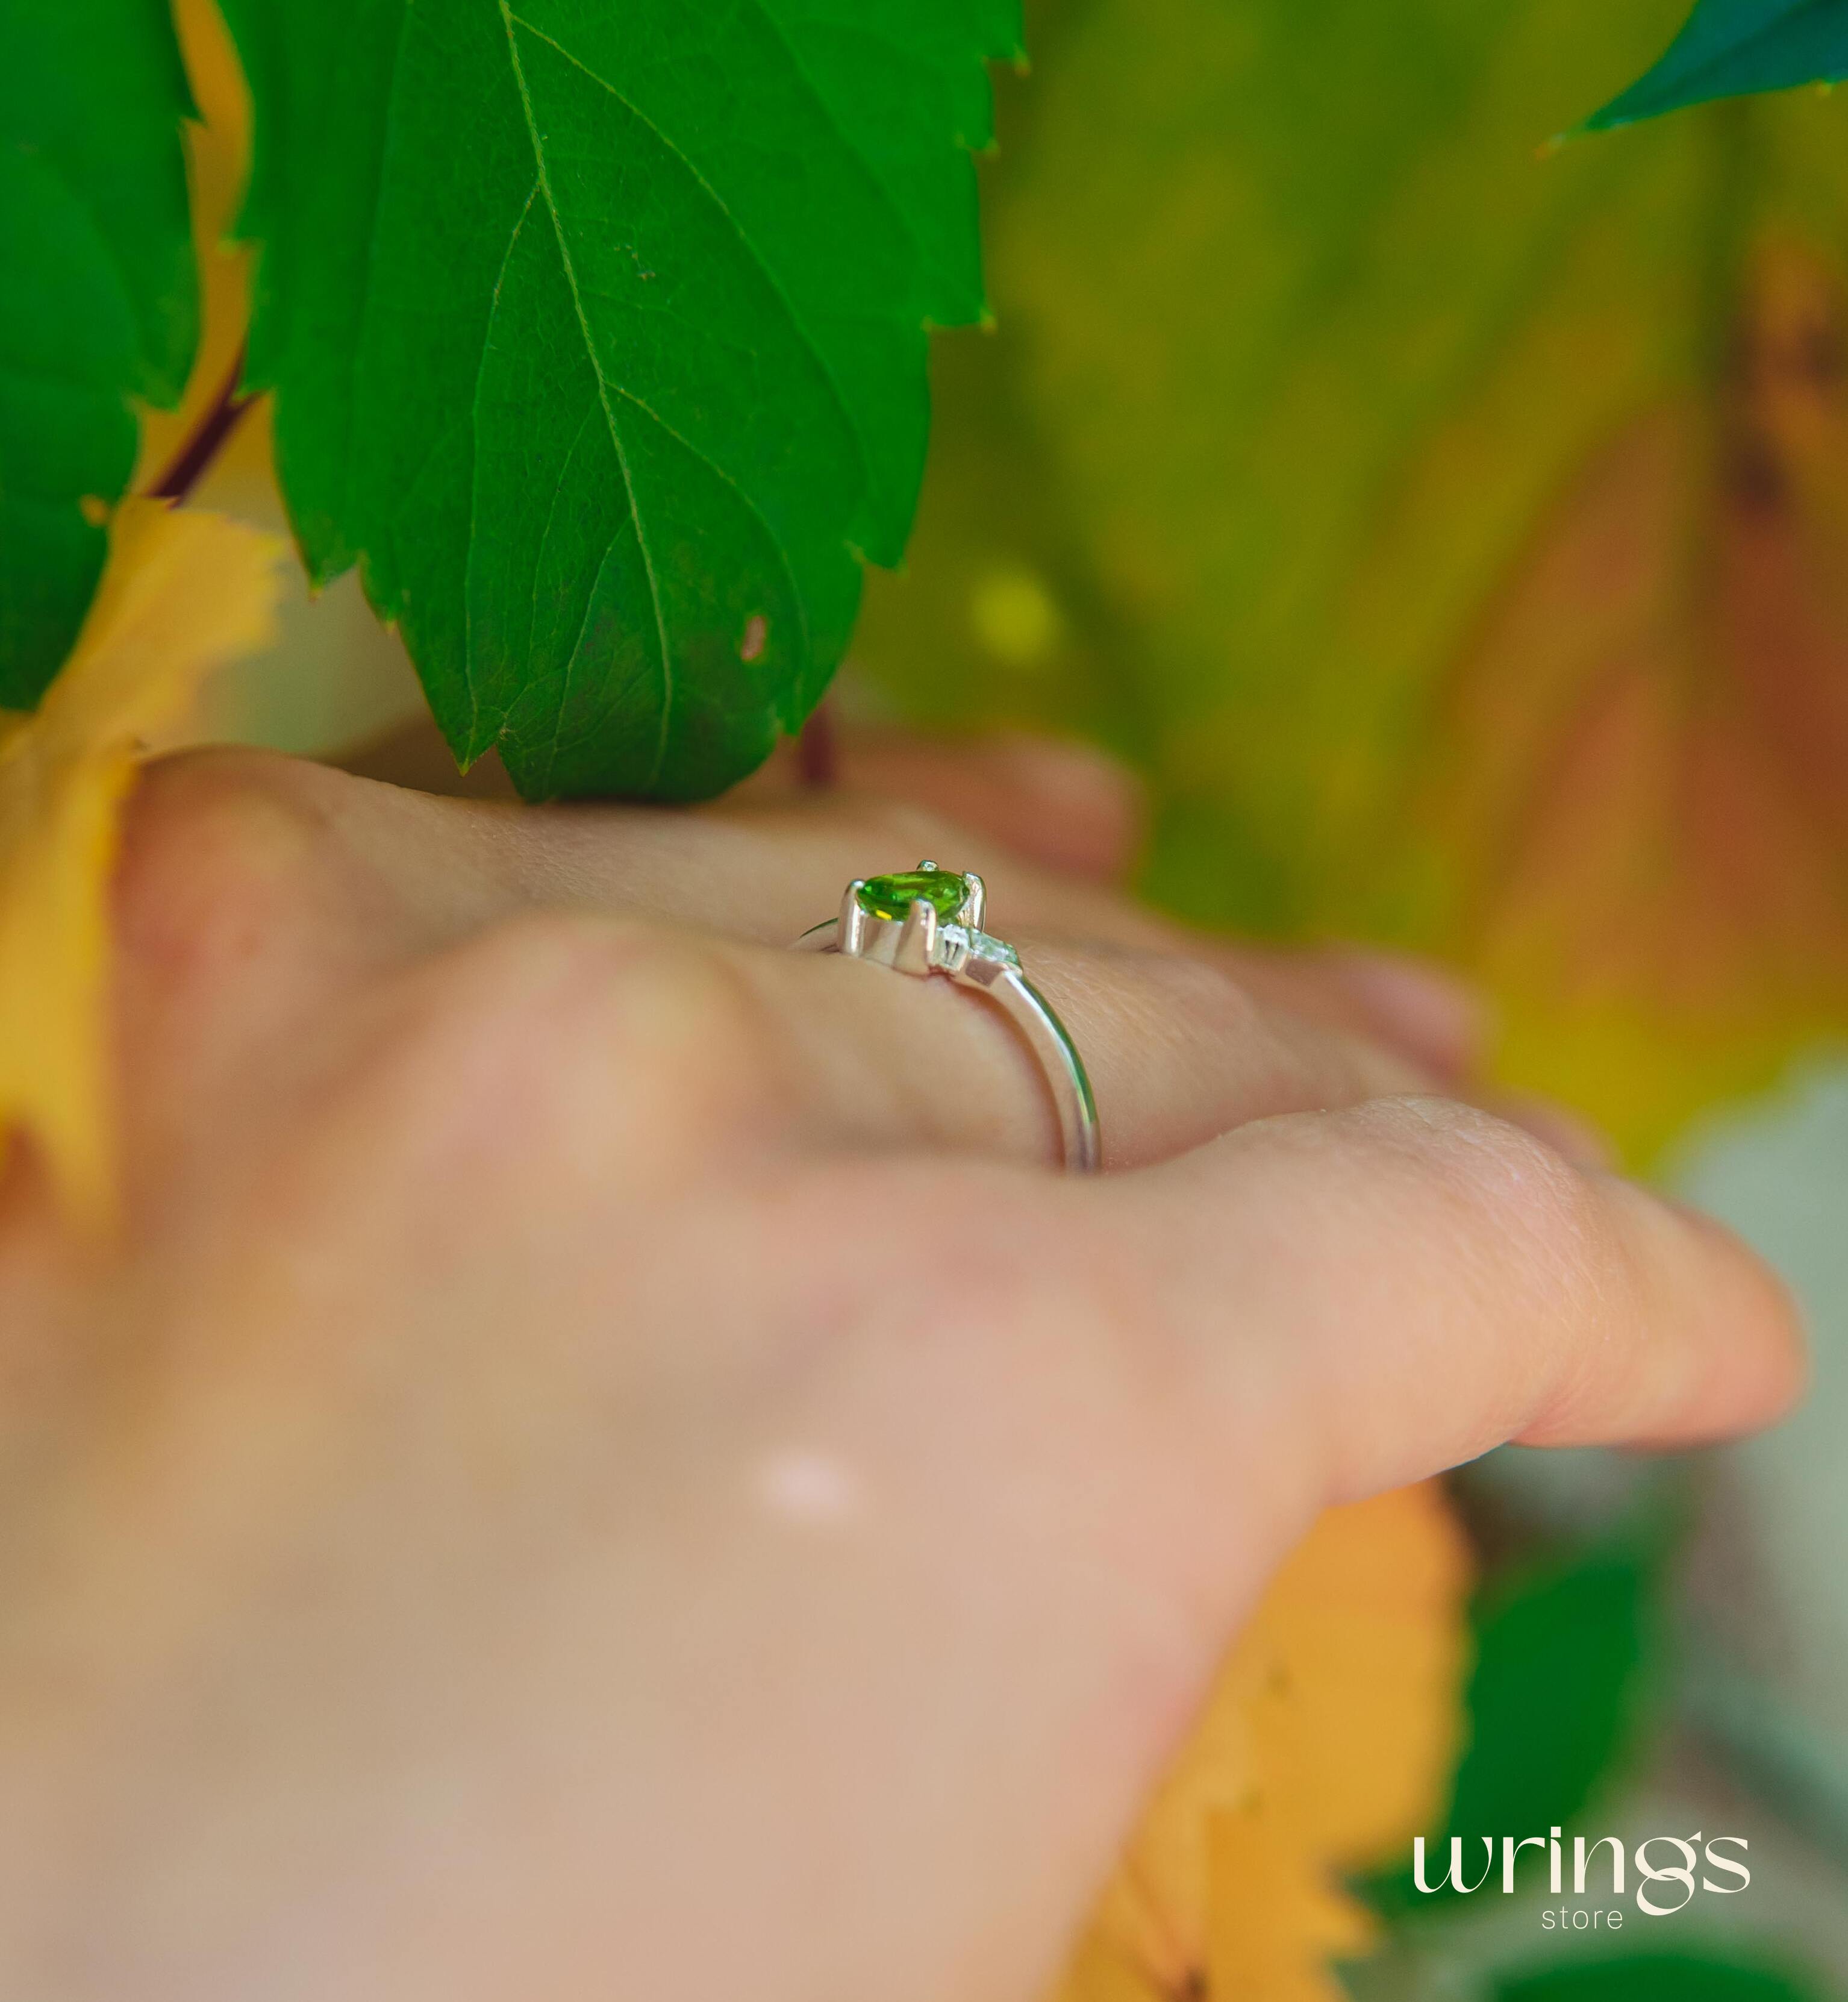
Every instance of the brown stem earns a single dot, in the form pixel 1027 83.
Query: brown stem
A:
pixel 817 749
pixel 184 469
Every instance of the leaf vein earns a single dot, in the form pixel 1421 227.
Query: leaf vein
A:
pixel 839 131
pixel 750 248
pixel 368 292
pixel 469 677
pixel 603 388
pixel 706 459
pixel 590 597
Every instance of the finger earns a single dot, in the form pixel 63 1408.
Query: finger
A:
pixel 1416 1007
pixel 764 866
pixel 412 871
pixel 1178 1050
pixel 1429 1281
pixel 1427 1014
pixel 770 859
pixel 1067 808
pixel 767 869
pixel 284 883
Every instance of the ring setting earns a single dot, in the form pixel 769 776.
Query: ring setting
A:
pixel 928 920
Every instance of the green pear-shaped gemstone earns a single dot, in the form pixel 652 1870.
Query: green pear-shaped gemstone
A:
pixel 893 896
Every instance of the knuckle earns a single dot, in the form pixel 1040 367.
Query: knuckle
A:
pixel 696 1044
pixel 220 850
pixel 647 1046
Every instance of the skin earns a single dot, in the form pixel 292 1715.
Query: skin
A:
pixel 605 1462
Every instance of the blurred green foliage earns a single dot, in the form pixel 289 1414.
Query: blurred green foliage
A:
pixel 1451 528
pixel 1659 1977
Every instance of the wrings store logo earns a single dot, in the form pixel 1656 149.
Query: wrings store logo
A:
pixel 1667 1873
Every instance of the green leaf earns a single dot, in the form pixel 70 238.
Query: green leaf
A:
pixel 1659 1977
pixel 598 336
pixel 1731 48
pixel 99 302
pixel 1567 1651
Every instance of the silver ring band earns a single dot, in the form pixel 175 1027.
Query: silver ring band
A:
pixel 928 921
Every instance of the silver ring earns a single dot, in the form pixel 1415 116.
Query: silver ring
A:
pixel 928 920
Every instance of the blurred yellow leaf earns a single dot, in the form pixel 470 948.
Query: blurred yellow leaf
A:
pixel 1637 774
pixel 1328 1740
pixel 336 677
pixel 217 147
pixel 183 592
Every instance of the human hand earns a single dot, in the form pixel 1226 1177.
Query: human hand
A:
pixel 606 1464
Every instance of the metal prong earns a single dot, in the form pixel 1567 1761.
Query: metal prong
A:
pixel 923 866
pixel 976 903
pixel 851 936
pixel 917 944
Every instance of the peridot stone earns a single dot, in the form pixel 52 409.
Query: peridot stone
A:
pixel 893 896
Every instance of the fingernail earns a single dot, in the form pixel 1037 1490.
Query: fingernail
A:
pixel 1429 1014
